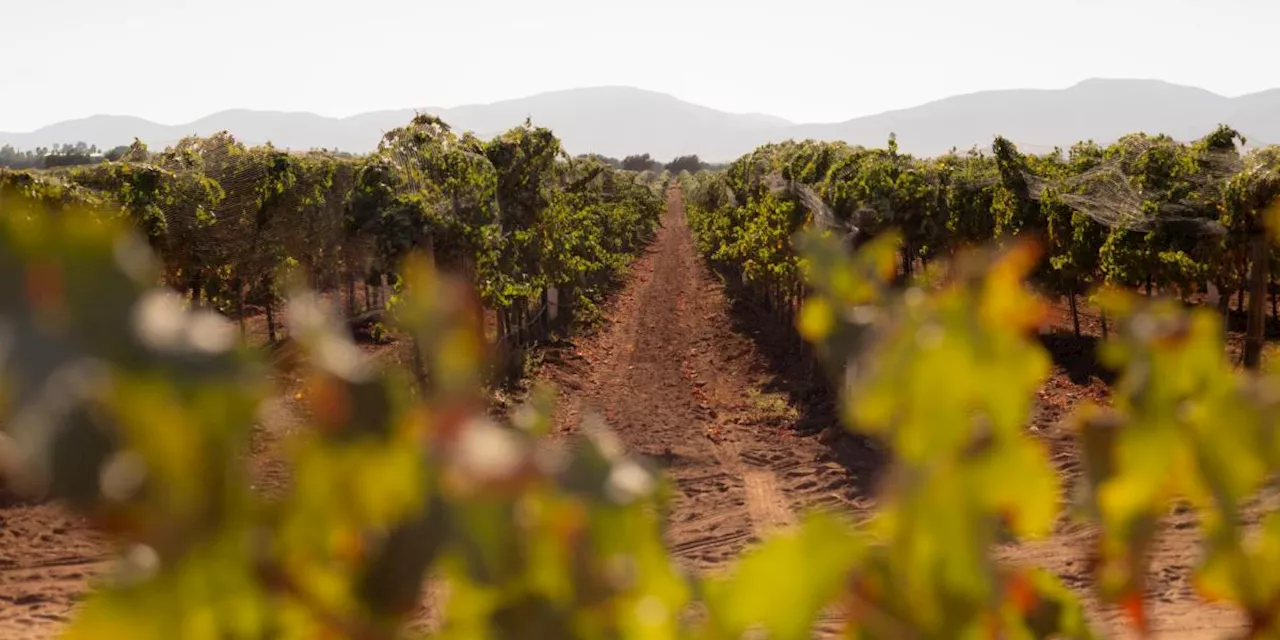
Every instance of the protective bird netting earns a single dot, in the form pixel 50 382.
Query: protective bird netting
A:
pixel 1115 191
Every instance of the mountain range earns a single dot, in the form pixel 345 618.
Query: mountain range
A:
pixel 620 121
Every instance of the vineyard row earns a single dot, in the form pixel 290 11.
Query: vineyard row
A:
pixel 230 222
pixel 1146 212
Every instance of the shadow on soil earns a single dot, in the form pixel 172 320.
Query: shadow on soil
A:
pixel 1238 322
pixel 1078 356
pixel 791 372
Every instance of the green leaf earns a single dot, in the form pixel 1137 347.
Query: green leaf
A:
pixel 784 584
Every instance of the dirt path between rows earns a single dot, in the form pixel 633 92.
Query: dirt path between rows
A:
pixel 675 374
pixel 680 386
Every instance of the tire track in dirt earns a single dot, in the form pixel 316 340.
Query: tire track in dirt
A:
pixel 47 558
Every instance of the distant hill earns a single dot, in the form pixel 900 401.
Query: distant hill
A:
pixel 615 121
pixel 619 121
pixel 1038 120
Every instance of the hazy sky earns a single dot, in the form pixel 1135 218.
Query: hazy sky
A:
pixel 173 61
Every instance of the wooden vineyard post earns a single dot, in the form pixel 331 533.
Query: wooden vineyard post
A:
pixel 1255 333
pixel 351 292
pixel 1075 313
pixel 553 307
pixel 238 285
pixel 542 319
pixel 1275 305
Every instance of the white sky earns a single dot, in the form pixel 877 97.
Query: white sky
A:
pixel 173 61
